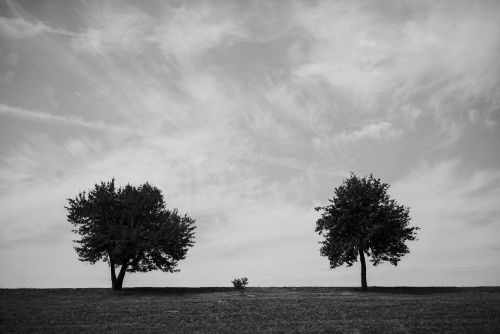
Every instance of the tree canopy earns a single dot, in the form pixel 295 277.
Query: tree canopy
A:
pixel 129 227
pixel 362 219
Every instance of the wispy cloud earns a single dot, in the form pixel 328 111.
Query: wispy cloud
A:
pixel 425 57
pixel 457 195
pixel 20 28
pixel 191 31
pixel 40 116
pixel 374 131
pixel 113 28
pixel 458 215
pixel 186 31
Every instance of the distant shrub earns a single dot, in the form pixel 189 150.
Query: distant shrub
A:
pixel 240 283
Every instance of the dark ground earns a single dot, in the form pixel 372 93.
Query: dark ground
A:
pixel 285 310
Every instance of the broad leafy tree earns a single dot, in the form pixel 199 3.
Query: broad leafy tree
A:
pixel 362 220
pixel 130 229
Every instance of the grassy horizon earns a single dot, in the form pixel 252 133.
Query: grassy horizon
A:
pixel 259 309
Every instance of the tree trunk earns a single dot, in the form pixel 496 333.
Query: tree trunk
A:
pixel 364 286
pixel 113 274
pixel 117 282
pixel 121 275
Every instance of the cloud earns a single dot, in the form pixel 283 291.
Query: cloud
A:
pixel 113 28
pixel 181 32
pixel 191 31
pixel 458 214
pixel 19 28
pixel 456 196
pixel 36 115
pixel 425 57
pixel 374 131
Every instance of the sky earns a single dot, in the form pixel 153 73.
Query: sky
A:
pixel 247 115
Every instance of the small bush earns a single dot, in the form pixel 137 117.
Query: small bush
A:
pixel 240 284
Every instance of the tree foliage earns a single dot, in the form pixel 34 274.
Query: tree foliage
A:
pixel 129 227
pixel 240 284
pixel 362 219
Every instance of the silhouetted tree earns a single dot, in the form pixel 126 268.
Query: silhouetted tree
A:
pixel 363 219
pixel 240 284
pixel 129 228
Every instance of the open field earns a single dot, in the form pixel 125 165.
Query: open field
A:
pixel 205 310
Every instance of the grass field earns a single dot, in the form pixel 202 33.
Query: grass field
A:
pixel 222 310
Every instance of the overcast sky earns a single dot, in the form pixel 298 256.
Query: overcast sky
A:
pixel 247 114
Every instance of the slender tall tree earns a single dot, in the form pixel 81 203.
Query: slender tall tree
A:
pixel 130 229
pixel 363 221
